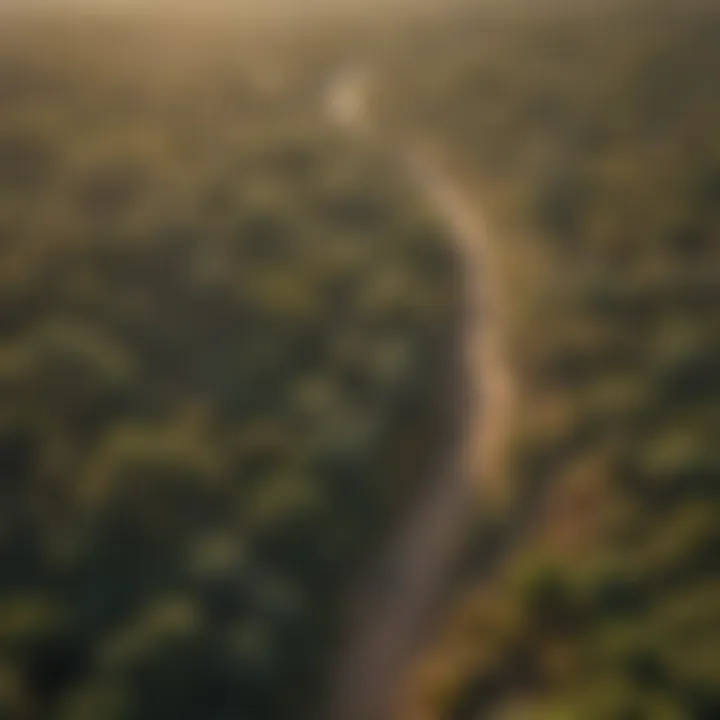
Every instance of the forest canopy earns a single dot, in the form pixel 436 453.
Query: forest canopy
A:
pixel 223 332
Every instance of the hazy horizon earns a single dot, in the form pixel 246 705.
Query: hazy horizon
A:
pixel 222 5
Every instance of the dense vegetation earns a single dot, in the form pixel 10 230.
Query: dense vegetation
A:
pixel 592 140
pixel 223 332
pixel 223 339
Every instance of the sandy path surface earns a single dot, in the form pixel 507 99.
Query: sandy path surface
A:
pixel 395 596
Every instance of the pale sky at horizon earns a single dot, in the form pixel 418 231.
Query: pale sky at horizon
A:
pixel 200 4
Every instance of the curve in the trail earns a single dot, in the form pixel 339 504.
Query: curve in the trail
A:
pixel 393 601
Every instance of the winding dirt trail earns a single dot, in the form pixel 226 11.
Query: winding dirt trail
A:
pixel 395 597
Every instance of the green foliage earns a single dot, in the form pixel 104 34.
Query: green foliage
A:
pixel 217 321
pixel 592 139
